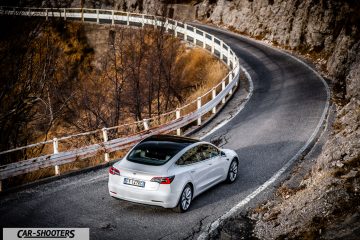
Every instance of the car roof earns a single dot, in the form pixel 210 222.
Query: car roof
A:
pixel 171 138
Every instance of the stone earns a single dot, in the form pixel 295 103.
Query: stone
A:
pixel 339 164
pixel 350 175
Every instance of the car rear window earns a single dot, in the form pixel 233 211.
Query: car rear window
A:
pixel 155 152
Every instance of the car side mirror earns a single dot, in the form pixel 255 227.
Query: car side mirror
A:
pixel 222 154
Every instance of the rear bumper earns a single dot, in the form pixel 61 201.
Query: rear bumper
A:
pixel 162 198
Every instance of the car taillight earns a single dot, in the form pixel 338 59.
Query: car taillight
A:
pixel 163 180
pixel 114 171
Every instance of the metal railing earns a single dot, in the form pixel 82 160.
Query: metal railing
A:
pixel 207 103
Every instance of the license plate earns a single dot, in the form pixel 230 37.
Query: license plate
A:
pixel 134 182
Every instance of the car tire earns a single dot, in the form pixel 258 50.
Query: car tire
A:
pixel 185 199
pixel 233 171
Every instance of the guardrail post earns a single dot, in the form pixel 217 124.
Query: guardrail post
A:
pixel 238 80
pixel 97 16
pixel 198 107
pixel 112 17
pixel 143 20
pixel 175 32
pixel 166 25
pixel 56 151
pixel 178 131
pixel 65 14
pixel 204 39
pixel 223 88
pixel 185 34
pixel 128 19
pixel 155 22
pixel 221 50
pixel 228 56
pixel 146 124
pixel 47 15
pixel 212 45
pixel 213 97
pixel 230 80
pixel 105 137
pixel 82 14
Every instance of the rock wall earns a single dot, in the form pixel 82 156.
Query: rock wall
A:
pixel 327 29
pixel 181 10
pixel 146 6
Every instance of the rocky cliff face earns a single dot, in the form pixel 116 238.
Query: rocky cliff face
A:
pixel 182 10
pixel 327 29
pixel 146 6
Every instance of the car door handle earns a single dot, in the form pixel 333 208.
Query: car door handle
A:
pixel 193 171
pixel 210 164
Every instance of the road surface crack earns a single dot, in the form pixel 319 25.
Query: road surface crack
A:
pixel 196 229
pixel 221 140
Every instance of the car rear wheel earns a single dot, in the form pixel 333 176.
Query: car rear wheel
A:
pixel 233 171
pixel 185 199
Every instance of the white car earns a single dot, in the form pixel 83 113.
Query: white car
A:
pixel 170 171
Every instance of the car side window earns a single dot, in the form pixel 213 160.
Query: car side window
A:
pixel 193 155
pixel 210 151
pixel 197 154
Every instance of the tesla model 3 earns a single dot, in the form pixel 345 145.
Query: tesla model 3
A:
pixel 170 171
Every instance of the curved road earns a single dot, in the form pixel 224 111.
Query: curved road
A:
pixel 286 106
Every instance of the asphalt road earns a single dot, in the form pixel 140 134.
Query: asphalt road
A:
pixel 286 106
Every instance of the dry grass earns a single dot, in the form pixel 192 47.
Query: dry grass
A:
pixel 285 192
pixel 202 69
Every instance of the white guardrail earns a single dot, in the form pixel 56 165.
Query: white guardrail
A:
pixel 209 102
